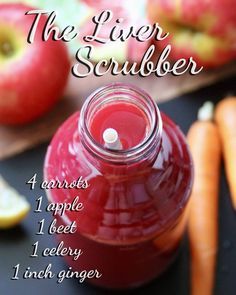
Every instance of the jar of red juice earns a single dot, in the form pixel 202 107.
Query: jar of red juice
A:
pixel 135 207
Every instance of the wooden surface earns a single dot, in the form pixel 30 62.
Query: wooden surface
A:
pixel 14 140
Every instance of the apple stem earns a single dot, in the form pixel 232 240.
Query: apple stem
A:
pixel 6 48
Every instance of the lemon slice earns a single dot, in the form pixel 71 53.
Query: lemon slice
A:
pixel 13 206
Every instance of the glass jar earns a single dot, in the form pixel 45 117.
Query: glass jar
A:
pixel 134 211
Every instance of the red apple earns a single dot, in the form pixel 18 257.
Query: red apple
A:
pixel 131 49
pixel 32 76
pixel 203 29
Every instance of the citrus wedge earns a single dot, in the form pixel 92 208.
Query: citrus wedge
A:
pixel 13 206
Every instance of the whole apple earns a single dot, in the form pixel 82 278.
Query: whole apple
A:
pixel 32 76
pixel 203 29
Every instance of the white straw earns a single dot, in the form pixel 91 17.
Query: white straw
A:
pixel 111 138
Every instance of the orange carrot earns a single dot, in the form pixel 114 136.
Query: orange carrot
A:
pixel 204 142
pixel 225 117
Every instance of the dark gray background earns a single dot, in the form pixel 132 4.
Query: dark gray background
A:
pixel 15 244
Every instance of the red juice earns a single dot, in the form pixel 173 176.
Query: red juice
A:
pixel 128 120
pixel 135 207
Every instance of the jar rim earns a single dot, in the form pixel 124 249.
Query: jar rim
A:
pixel 127 155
